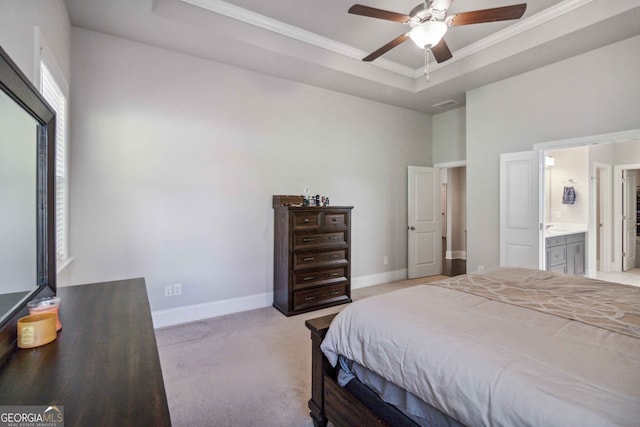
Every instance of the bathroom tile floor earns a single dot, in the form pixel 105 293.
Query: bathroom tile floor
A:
pixel 631 277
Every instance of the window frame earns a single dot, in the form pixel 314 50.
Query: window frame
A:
pixel 48 65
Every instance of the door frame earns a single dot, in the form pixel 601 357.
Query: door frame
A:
pixel 444 167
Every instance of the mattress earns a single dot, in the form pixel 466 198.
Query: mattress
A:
pixel 417 410
pixel 513 347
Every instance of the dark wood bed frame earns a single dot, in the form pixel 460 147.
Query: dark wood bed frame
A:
pixel 329 401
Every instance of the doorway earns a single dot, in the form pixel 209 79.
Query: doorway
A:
pixel 626 216
pixel 454 220
pixel 612 216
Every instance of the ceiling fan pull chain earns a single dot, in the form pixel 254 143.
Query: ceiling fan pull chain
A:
pixel 426 63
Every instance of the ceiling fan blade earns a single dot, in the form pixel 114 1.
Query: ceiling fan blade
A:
pixel 372 12
pixel 489 15
pixel 386 48
pixel 441 51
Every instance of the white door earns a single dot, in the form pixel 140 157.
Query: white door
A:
pixel 424 232
pixel 519 223
pixel 628 219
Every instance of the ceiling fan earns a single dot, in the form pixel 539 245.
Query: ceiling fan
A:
pixel 429 23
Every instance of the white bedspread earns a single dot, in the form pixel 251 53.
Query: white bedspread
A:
pixel 489 363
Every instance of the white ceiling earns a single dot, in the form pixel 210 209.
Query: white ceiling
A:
pixel 318 43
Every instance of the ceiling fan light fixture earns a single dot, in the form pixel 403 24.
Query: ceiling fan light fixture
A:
pixel 428 34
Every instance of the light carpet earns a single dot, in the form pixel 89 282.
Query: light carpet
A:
pixel 245 369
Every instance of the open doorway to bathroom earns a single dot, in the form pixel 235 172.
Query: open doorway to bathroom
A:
pixel 598 204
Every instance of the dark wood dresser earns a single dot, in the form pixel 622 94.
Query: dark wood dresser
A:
pixel 312 258
pixel 103 368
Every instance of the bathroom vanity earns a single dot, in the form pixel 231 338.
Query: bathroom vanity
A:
pixel 565 253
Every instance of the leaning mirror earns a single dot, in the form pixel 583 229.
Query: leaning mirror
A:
pixel 27 257
pixel 18 224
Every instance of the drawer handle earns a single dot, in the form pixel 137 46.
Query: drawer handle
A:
pixel 309 298
pixel 334 219
pixel 334 237
pixel 308 239
pixel 335 293
pixel 335 274
pixel 308 278
pixel 308 259
pixel 335 256
pixel 306 220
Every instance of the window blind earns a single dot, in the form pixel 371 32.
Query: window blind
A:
pixel 56 98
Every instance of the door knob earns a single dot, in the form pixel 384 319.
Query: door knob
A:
pixel 412 228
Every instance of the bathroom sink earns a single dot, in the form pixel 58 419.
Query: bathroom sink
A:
pixel 560 230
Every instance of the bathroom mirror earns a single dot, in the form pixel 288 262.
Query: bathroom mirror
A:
pixel 27 199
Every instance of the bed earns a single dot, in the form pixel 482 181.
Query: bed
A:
pixel 510 347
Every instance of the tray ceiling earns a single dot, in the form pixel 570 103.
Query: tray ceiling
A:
pixel 318 43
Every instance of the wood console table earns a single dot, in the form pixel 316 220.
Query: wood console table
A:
pixel 103 367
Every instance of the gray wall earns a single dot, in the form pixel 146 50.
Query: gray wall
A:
pixel 174 161
pixel 449 136
pixel 17 35
pixel 590 94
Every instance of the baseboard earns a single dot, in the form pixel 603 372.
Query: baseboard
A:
pixel 376 279
pixel 455 254
pixel 196 312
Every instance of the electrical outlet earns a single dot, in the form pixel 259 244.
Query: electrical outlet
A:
pixel 480 268
pixel 385 260
pixel 168 291
pixel 177 289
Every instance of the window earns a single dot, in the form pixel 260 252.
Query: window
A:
pixel 51 91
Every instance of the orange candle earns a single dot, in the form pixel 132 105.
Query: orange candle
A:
pixel 46 305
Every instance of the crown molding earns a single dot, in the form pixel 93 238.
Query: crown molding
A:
pixel 279 27
pixel 241 14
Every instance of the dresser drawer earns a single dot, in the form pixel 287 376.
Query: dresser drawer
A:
pixel 336 220
pixel 306 220
pixel 304 279
pixel 303 240
pixel 319 296
pixel 319 259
